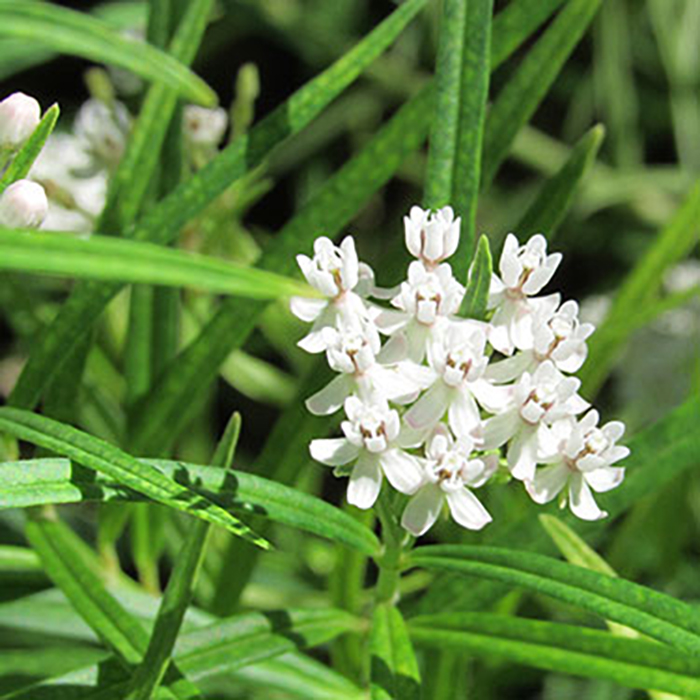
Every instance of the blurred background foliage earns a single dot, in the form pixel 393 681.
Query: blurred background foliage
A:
pixel 637 72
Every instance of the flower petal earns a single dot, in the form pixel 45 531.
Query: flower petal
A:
pixel 429 408
pixel 547 483
pixel 463 415
pixel 422 510
pixel 402 470
pixel 329 399
pixel 333 451
pixel 307 310
pixel 499 429
pixel 467 510
pixel 605 479
pixel 522 455
pixel 365 482
pixel 581 500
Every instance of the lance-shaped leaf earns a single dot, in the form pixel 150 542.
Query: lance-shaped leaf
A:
pixel 178 593
pixel 102 457
pixel 640 288
pixel 476 295
pixel 78 34
pixel 658 615
pixel 454 158
pixel 109 258
pixel 525 90
pixel 394 669
pixel 222 647
pixel 22 163
pixel 53 480
pixel 165 221
pixel 562 648
pixel 555 196
pixel 63 557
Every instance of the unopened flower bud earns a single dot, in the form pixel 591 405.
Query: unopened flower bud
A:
pixel 19 116
pixel 23 205
pixel 205 127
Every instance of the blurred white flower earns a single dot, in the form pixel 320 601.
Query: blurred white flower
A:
pixel 525 270
pixel 431 237
pixel 104 130
pixel 523 412
pixel 579 458
pixel 19 116
pixel 23 205
pixel 448 471
pixel 372 442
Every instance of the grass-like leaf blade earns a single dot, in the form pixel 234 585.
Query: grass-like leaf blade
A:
pixel 394 669
pixel 180 588
pixel 476 295
pixel 658 615
pixel 100 456
pixel 115 259
pixel 78 34
pixel 640 288
pixel 562 648
pixel 54 480
pixel 525 90
pixel 454 158
pixel 22 163
pixel 63 558
pixel 554 198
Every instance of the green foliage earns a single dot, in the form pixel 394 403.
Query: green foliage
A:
pixel 476 296
pixel 77 34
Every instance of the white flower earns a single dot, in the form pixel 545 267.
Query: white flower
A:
pixel 525 410
pixel 557 336
pixel 103 129
pixel 581 460
pixel 431 237
pixel 447 472
pixel 371 441
pixel 525 270
pixel 23 205
pixel 425 300
pixel 19 116
pixel 204 127
pixel 456 356
pixel 353 351
pixel 335 272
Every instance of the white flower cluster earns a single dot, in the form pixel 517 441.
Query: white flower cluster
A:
pixel 432 407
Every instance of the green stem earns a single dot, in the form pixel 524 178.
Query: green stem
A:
pixel 390 561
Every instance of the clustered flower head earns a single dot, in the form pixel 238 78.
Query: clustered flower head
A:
pixel 446 402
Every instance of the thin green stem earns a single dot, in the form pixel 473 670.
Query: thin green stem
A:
pixel 390 561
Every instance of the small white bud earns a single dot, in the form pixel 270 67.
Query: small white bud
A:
pixel 23 205
pixel 19 116
pixel 205 127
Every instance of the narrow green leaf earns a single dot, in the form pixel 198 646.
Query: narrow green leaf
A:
pixel 102 457
pixel 223 647
pixel 562 648
pixel 63 560
pixel 658 615
pixel 328 211
pixel 454 158
pixel 22 163
pixel 522 94
pixel 178 593
pixel 164 222
pixel 516 22
pixel 53 480
pixel 477 293
pixel 109 258
pixel 394 670
pixel 555 196
pixel 640 288
pixel 573 547
pixel 77 34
